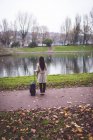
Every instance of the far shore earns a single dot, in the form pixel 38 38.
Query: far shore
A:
pixel 46 50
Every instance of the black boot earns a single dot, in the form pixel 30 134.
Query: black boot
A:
pixel 44 87
pixel 40 87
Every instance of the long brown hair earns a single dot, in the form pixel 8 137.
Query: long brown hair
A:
pixel 42 63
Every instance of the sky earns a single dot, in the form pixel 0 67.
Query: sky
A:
pixel 50 13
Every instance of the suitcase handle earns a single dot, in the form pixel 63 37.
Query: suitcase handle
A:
pixel 34 76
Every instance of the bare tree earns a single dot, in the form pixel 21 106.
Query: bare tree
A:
pixel 44 33
pixel 91 15
pixel 62 34
pixel 15 32
pixel 77 29
pixel 6 33
pixel 86 30
pixel 56 38
pixel 24 24
pixel 35 32
pixel 13 27
pixel 65 31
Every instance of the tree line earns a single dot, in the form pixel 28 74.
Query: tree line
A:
pixel 25 31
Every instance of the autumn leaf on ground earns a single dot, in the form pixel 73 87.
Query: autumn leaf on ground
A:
pixel 33 130
pixel 21 138
pixel 3 138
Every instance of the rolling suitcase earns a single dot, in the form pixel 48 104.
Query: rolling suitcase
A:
pixel 33 87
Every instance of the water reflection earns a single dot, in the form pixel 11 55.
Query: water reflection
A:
pixel 63 64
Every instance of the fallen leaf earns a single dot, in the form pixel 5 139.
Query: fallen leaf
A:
pixel 69 102
pixel 79 129
pixel 55 116
pixel 14 129
pixel 33 130
pixel 23 114
pixel 3 138
pixel 66 114
pixel 67 126
pixel 90 138
pixel 8 126
pixel 21 138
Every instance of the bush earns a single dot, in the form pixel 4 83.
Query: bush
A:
pixel 32 45
pixel 48 42
pixel 15 44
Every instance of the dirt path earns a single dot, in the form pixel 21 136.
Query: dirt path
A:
pixel 21 99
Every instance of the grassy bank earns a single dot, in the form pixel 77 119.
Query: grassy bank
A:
pixel 81 48
pixel 73 48
pixel 5 51
pixel 54 81
pixel 54 48
pixel 48 124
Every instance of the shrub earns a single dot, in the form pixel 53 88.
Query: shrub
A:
pixel 48 42
pixel 32 45
pixel 15 44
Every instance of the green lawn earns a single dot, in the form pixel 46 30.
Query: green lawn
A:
pixel 73 48
pixel 81 48
pixel 35 49
pixel 53 48
pixel 53 81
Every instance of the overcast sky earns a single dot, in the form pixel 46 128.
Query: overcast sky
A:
pixel 51 13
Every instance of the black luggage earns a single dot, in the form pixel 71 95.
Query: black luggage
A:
pixel 33 87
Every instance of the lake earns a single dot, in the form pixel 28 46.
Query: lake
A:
pixel 12 66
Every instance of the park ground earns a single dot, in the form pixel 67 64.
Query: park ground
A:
pixel 60 114
pixel 64 97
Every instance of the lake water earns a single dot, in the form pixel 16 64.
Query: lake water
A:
pixel 56 64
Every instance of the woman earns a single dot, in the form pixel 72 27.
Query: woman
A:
pixel 41 74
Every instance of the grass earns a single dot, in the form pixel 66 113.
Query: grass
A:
pixel 5 51
pixel 81 48
pixel 57 48
pixel 73 48
pixel 58 81
pixel 35 49
pixel 74 123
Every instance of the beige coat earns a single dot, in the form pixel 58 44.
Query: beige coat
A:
pixel 41 75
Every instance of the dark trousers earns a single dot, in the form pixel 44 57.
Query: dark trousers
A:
pixel 42 87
